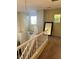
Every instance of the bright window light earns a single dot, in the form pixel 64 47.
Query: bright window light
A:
pixel 57 18
pixel 33 19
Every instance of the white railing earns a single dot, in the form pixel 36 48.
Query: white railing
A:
pixel 34 46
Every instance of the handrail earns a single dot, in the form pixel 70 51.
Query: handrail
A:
pixel 24 50
pixel 30 41
pixel 30 49
pixel 39 50
pixel 20 46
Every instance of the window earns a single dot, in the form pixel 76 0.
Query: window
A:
pixel 57 18
pixel 33 20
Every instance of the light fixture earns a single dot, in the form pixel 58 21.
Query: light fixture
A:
pixel 54 0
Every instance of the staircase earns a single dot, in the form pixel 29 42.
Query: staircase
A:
pixel 32 48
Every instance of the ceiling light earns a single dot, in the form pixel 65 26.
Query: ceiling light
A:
pixel 54 0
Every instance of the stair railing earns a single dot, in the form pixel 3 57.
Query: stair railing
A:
pixel 34 46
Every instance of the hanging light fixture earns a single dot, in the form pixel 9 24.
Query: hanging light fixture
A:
pixel 54 0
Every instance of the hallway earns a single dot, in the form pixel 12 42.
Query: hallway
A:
pixel 52 50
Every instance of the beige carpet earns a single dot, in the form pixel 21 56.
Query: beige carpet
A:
pixel 52 50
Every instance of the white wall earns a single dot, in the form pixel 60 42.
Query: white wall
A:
pixel 21 27
pixel 40 21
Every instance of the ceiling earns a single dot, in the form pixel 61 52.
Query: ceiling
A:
pixel 23 5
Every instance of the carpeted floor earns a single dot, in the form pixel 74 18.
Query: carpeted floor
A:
pixel 52 50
